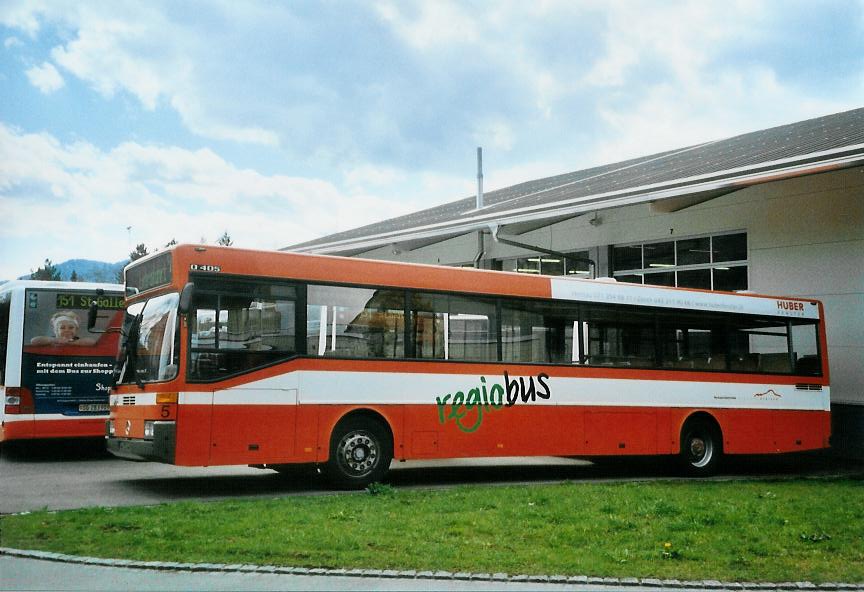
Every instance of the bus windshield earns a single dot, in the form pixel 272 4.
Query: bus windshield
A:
pixel 150 351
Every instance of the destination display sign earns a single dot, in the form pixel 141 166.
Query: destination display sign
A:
pixel 83 301
pixel 149 274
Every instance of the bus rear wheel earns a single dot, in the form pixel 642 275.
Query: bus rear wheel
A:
pixel 701 448
pixel 360 453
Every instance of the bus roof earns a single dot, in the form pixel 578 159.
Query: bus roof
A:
pixel 52 285
pixel 219 260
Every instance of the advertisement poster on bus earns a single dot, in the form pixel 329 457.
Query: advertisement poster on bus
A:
pixel 66 367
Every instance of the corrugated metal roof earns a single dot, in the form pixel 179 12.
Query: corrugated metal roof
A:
pixel 797 148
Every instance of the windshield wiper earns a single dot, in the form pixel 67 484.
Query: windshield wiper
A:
pixel 127 361
pixel 123 351
pixel 132 348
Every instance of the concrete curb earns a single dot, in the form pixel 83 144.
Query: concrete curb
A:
pixel 426 575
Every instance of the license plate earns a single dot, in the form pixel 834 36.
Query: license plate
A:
pixel 93 407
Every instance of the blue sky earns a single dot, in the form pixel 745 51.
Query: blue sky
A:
pixel 130 122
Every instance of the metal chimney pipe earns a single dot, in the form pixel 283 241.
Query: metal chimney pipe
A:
pixel 479 177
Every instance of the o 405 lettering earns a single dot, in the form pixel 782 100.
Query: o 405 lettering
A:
pixel 210 268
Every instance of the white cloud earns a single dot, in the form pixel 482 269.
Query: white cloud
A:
pixel 360 111
pixel 376 176
pixel 45 77
pixel 611 68
pixel 497 135
pixel 22 15
pixel 100 55
pixel 353 85
pixel 65 201
pixel 437 24
pixel 672 43
pixel 200 122
pixel 668 117
pixel 136 49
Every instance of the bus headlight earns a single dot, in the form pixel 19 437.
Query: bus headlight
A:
pixel 111 430
pixel 148 429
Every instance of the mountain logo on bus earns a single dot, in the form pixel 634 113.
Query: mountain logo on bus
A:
pixel 769 394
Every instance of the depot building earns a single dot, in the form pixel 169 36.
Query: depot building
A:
pixel 778 211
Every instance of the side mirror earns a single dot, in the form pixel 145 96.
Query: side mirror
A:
pixel 186 296
pixel 93 311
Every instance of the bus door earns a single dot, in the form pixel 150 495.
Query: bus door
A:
pixel 253 422
pixel 239 333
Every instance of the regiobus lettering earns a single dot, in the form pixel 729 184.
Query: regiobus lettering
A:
pixel 481 401
pixel 273 359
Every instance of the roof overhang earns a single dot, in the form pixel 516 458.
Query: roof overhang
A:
pixel 667 196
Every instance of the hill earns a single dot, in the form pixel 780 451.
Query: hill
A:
pixel 88 270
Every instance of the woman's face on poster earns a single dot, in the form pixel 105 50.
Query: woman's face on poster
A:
pixel 66 330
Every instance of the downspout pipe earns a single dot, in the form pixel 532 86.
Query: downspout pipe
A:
pixel 481 249
pixel 494 229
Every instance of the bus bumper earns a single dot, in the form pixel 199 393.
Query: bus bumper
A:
pixel 160 448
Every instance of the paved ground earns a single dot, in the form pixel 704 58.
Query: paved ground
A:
pixel 58 477
pixel 21 573
pixel 74 476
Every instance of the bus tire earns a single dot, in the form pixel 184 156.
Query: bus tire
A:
pixel 701 448
pixel 360 453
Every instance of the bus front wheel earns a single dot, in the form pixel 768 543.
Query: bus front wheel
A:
pixel 360 453
pixel 701 448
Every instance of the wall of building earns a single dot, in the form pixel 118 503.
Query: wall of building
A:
pixel 805 238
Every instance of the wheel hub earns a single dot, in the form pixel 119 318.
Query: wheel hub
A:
pixel 701 450
pixel 697 448
pixel 358 452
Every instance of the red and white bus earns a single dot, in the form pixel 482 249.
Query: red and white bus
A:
pixel 55 372
pixel 276 359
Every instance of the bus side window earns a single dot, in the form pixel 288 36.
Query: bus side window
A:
pixel 539 332
pixel 691 341
pixel 355 322
pixel 454 327
pixel 805 348
pixel 760 345
pixel 238 327
pixel 621 336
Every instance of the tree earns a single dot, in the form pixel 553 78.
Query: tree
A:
pixel 225 240
pixel 47 272
pixel 140 251
pixel 74 276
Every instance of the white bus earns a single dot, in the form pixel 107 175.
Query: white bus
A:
pixel 55 374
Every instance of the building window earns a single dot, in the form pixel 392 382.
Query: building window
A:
pixel 548 265
pixel 716 262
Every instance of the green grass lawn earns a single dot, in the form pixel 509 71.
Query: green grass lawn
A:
pixel 733 531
